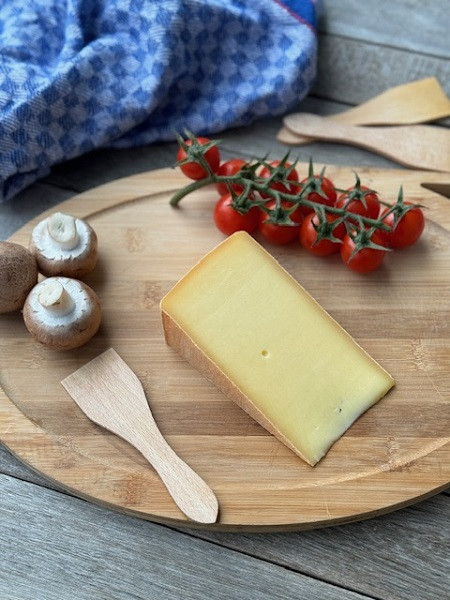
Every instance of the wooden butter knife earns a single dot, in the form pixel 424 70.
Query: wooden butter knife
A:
pixel 111 395
pixel 417 146
pixel 406 104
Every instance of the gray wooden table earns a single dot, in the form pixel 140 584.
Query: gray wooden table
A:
pixel 56 547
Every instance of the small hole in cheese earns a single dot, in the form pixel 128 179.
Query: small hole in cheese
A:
pixel 264 352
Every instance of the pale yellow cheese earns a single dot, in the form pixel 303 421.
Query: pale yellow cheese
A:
pixel 241 319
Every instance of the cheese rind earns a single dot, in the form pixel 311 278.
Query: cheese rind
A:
pixel 248 326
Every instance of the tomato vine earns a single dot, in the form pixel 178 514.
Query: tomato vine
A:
pixel 268 196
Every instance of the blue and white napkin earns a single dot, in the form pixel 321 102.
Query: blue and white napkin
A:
pixel 82 74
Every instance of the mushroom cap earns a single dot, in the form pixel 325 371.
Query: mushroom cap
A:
pixel 53 260
pixel 70 330
pixel 18 274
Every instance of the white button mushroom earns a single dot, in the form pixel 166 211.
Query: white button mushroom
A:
pixel 18 274
pixel 64 245
pixel 62 313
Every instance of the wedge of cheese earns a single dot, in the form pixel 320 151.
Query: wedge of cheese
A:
pixel 249 327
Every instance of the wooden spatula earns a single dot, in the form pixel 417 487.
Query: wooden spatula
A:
pixel 417 146
pixel 406 104
pixel 111 395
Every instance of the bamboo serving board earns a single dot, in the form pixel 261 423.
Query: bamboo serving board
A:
pixel 395 454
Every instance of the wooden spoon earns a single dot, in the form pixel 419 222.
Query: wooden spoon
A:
pixel 111 395
pixel 417 146
pixel 406 104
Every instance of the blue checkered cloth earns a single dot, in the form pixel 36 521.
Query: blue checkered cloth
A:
pixel 82 74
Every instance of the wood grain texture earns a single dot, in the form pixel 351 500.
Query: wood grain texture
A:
pixel 15 468
pixel 352 71
pixel 401 24
pixel 398 556
pixel 387 459
pixel 253 143
pixel 417 146
pixel 415 102
pixel 69 549
pixel 95 554
pixel 111 395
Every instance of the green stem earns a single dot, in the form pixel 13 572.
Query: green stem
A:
pixel 340 212
pixel 192 187
pixel 276 194
pixel 197 185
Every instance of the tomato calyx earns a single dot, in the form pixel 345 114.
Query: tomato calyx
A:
pixel 280 176
pixel 195 151
pixel 362 238
pixel 325 226
pixel 248 172
pixel 357 192
pixel 279 221
pixel 400 208
pixel 242 189
pixel 280 214
pixel 243 202
pixel 314 183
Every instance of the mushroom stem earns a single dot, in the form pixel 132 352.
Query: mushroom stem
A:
pixel 54 298
pixel 63 230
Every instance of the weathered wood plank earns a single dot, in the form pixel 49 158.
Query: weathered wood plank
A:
pixel 57 547
pixel 382 557
pixel 352 71
pixel 402 24
pixel 400 556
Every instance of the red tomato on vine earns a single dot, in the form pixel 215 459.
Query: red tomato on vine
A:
pixel 309 234
pixel 279 233
pixel 322 192
pixel 408 229
pixel 286 188
pixel 193 169
pixel 364 202
pixel 227 169
pixel 228 220
pixel 365 260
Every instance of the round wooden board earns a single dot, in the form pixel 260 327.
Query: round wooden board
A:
pixel 395 454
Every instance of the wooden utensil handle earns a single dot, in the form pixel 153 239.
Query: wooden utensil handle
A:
pixel 419 146
pixel 321 127
pixel 188 490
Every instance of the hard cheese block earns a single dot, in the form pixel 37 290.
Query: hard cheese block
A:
pixel 247 325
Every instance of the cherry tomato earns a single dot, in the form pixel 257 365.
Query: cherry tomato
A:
pixel 228 220
pixel 308 236
pixel 192 169
pixel 278 185
pixel 367 259
pixel 408 229
pixel 279 234
pixel 327 188
pixel 372 208
pixel 231 167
